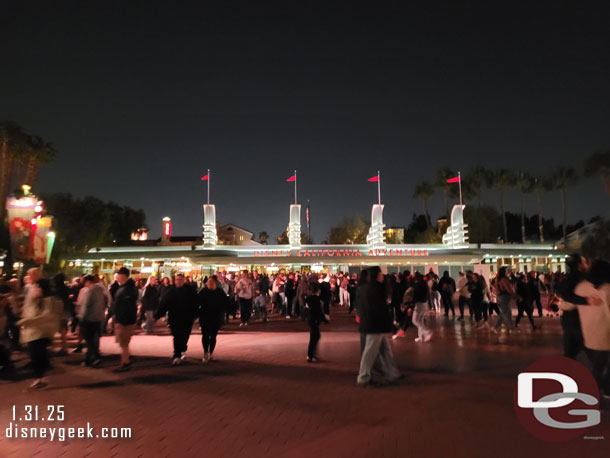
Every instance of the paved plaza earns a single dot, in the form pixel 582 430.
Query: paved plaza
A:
pixel 261 398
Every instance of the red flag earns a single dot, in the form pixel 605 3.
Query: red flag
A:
pixel 454 179
pixel 292 178
pixel 206 177
pixel 375 178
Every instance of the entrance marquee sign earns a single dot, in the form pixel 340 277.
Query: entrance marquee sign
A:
pixel 342 253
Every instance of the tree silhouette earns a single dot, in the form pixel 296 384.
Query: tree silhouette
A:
pixel 562 179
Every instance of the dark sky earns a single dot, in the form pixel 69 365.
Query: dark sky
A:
pixel 140 98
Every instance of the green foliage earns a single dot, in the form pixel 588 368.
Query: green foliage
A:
pixel 598 164
pixel 81 224
pixel 283 239
pixel 564 177
pixel 349 231
pixel 263 237
pixel 417 226
pixel 428 236
pixel 525 182
pixel 484 224
pixel 597 244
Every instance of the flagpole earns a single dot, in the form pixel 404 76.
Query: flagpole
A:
pixel 379 187
pixel 308 225
pixel 460 184
pixel 209 179
pixel 295 187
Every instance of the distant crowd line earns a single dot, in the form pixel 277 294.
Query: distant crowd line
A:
pixel 35 309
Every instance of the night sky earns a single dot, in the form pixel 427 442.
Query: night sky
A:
pixel 140 98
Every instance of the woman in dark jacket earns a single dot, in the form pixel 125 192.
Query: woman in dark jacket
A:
pixel 213 303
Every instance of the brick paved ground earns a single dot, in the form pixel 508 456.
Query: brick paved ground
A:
pixel 261 398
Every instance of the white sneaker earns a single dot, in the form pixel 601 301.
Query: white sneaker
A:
pixel 287 317
pixel 210 357
pixel 183 356
pixel 206 358
pixel 417 339
pixel 176 361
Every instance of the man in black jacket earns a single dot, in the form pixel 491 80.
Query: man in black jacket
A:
pixel 125 311
pixel 316 316
pixel 180 304
pixel 376 325
pixel 213 304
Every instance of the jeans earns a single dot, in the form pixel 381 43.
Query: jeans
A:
pixel 505 313
pixel 91 332
pixel 150 321
pixel 260 310
pixel 314 338
pixel 245 309
pixel 39 356
pixel 181 333
pixel 343 297
pixel 423 331
pixel 377 353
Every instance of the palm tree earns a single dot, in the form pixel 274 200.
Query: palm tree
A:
pixel 562 179
pixel 540 186
pixel 599 164
pixel 424 191
pixel 442 175
pixel 38 152
pixel 525 182
pixel 502 179
pixel 263 237
pixel 478 178
pixel 11 142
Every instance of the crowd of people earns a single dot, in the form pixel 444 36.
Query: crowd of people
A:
pixel 33 311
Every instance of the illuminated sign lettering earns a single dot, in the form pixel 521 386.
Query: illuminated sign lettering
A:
pixel 342 253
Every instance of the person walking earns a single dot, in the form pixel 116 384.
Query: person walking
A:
pixel 420 298
pixel 39 322
pixel 578 268
pixel 595 323
pixel 150 304
pixel 464 297
pixel 125 312
pixel 180 305
pixel 446 286
pixel 506 292
pixel 524 303
pixel 244 290
pixel 476 288
pixel 213 303
pixel 91 318
pixel 315 317
pixel 291 293
pixel 376 324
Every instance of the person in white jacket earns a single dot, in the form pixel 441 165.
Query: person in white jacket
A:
pixel 39 323
pixel 595 322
